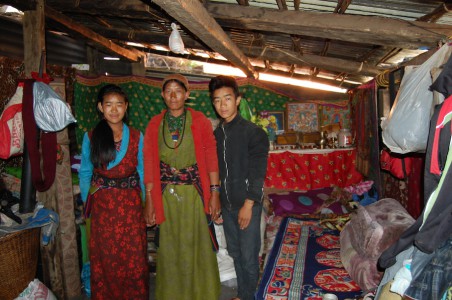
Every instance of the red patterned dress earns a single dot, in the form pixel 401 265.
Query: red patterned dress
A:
pixel 117 248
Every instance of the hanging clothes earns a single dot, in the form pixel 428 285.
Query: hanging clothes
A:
pixel 434 227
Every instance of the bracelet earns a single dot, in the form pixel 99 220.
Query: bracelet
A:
pixel 215 188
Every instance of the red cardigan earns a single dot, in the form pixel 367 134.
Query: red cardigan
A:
pixel 205 152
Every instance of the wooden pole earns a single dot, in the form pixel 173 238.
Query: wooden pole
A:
pixel 34 49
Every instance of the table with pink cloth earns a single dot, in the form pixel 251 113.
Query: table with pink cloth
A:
pixel 312 169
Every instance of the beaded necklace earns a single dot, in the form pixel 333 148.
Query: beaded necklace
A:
pixel 175 126
pixel 118 145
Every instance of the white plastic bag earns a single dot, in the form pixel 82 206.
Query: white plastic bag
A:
pixel 175 40
pixel 36 290
pixel 51 112
pixel 225 261
pixel 406 128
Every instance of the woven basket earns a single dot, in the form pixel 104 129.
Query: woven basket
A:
pixel 18 261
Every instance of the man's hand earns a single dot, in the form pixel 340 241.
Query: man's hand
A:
pixel 245 214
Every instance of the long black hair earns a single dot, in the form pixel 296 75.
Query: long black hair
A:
pixel 103 148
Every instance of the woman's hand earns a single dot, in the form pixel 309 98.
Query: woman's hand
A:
pixel 149 211
pixel 245 214
pixel 215 205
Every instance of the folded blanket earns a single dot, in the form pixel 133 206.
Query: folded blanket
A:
pixel 47 219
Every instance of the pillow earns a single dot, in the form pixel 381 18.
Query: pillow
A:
pixel 51 112
pixel 361 269
pixel 305 202
pixel 370 231
pixel 377 226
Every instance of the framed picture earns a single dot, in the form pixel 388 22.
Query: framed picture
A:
pixel 280 120
pixel 278 117
pixel 302 117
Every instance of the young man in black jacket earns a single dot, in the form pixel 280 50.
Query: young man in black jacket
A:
pixel 242 150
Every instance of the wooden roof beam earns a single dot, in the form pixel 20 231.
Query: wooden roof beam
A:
pixel 293 57
pixel 358 29
pixel 143 36
pixel 325 47
pixel 281 4
pixel 93 36
pixel 322 62
pixel 243 2
pixel 296 44
pixel 440 11
pixel 193 16
pixel 342 6
pixel 119 5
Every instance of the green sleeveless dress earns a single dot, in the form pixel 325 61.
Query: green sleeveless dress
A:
pixel 187 267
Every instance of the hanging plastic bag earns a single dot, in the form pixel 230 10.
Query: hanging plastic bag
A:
pixel 11 126
pixel 51 112
pixel 175 40
pixel 406 129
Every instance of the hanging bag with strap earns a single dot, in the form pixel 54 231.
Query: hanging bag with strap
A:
pixel 11 126
pixel 396 164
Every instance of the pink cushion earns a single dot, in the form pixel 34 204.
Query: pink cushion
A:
pixel 376 226
pixel 370 231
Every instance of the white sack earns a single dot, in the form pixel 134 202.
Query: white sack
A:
pixel 36 290
pixel 175 41
pixel 407 126
pixel 225 261
pixel 51 112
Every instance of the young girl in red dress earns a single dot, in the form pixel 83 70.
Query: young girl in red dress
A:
pixel 111 175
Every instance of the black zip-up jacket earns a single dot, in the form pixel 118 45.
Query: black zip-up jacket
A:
pixel 242 148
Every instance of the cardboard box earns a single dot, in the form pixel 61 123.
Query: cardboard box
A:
pixel 288 138
pixel 308 137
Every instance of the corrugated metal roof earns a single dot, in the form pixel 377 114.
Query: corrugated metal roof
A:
pixel 275 48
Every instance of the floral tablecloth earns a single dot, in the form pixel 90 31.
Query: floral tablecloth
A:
pixel 312 169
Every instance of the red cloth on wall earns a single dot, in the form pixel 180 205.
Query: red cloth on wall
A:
pixel 409 192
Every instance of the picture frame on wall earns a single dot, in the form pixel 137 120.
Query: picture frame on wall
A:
pixel 280 120
pixel 302 117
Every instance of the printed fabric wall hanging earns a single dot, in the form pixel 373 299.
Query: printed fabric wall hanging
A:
pixel 302 117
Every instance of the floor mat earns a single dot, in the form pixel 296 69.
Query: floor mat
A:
pixel 305 264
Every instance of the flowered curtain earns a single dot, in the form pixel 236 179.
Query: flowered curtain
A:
pixel 145 100
pixel 364 115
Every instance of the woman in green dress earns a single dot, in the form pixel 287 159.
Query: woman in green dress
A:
pixel 182 196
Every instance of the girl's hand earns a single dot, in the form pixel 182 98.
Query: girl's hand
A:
pixel 149 211
pixel 214 205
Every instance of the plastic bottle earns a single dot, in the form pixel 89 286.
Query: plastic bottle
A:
pixel 402 278
pixel 345 138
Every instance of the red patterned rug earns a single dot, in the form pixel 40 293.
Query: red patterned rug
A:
pixel 304 264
